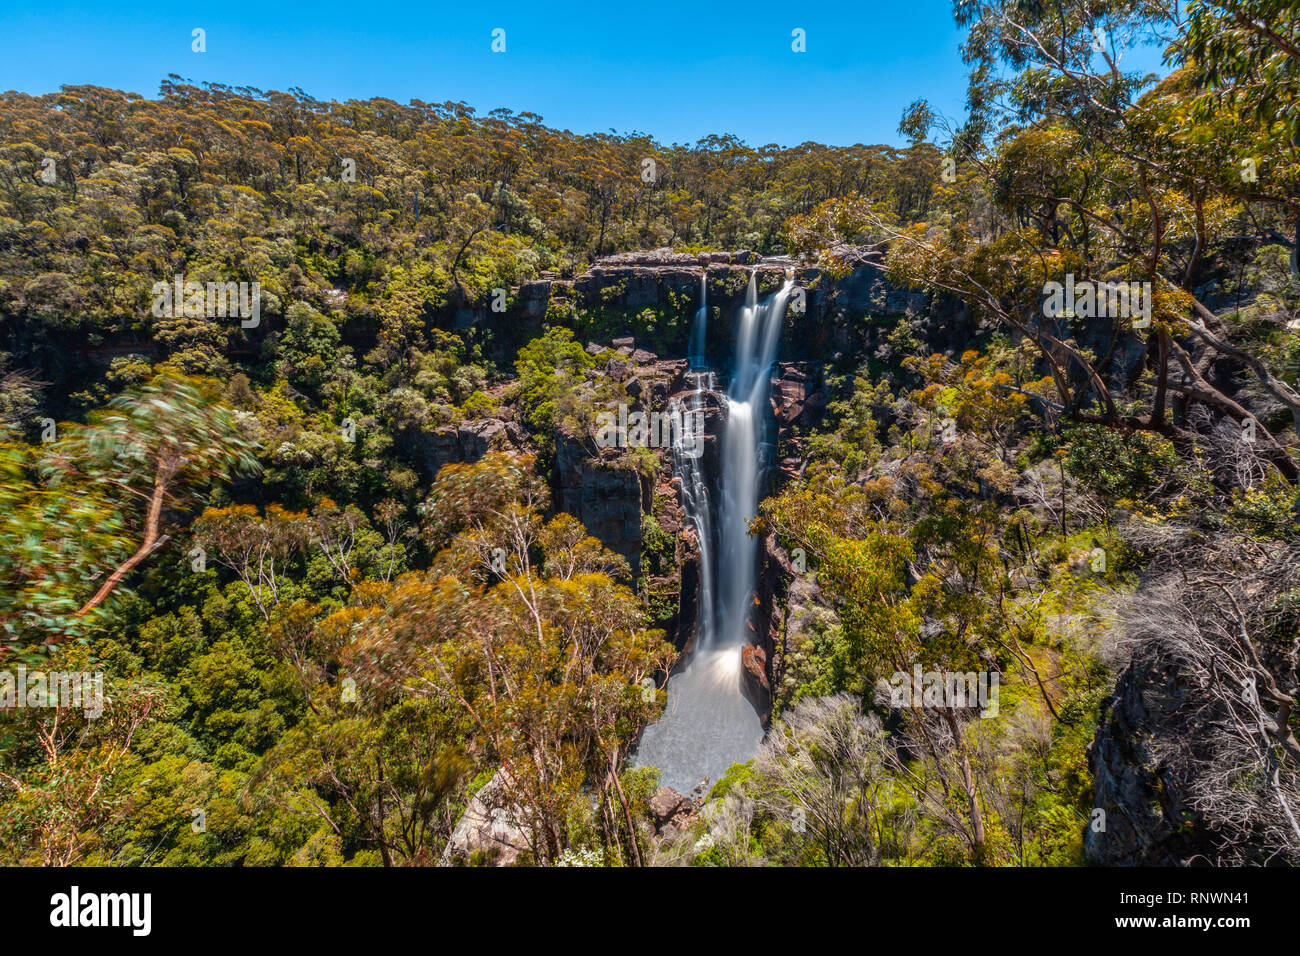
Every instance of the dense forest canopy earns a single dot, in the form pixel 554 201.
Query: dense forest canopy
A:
pixel 331 650
pixel 244 183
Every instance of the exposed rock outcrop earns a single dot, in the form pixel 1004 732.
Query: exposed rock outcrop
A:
pixel 754 681
pixel 466 442
pixel 490 826
pixel 603 492
pixel 672 812
pixel 688 607
pixel 1144 795
pixel 828 322
pixel 838 319
pixel 665 802
pixel 601 487
pixel 787 599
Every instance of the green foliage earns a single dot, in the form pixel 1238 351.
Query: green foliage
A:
pixel 548 369
pixel 308 347
pixel 1267 511
pixel 1128 467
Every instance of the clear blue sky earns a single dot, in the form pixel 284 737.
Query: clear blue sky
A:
pixel 675 70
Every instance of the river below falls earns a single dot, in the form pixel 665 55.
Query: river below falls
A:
pixel 707 723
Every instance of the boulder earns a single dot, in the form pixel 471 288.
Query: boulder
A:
pixel 673 813
pixel 617 369
pixel 490 826
pixel 664 804
pixel 663 379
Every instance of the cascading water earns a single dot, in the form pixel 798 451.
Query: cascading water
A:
pixel 746 454
pixel 695 493
pixel 696 355
pixel 709 724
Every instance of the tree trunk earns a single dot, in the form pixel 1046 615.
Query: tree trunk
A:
pixel 153 519
pixel 972 793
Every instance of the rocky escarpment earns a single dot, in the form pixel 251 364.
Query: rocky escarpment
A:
pixel 1144 795
pixel 837 320
pixel 603 492
pixel 1191 757
pixel 798 399
pixel 607 489
pixel 655 294
pixel 465 442
pixel 786 602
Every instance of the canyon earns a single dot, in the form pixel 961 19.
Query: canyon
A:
pixel 732 629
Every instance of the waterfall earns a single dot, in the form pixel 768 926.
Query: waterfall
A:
pixel 709 724
pixel 695 356
pixel 695 491
pixel 746 455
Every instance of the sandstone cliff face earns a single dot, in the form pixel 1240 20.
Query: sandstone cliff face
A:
pixel 1148 821
pixel 829 324
pixel 786 597
pixel 1176 758
pixel 464 443
pixel 842 321
pixel 605 495
pixel 601 487
pixel 688 605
